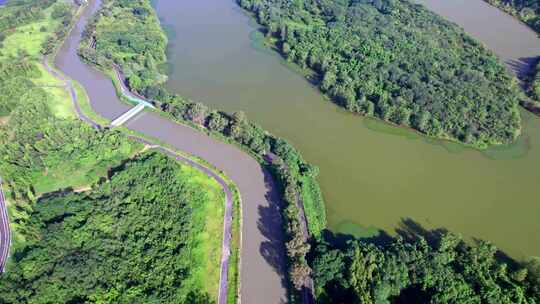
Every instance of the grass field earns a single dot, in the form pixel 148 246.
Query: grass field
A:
pixel 46 78
pixel 85 171
pixel 60 103
pixel 207 253
pixel 29 38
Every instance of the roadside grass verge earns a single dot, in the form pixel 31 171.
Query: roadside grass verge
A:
pixel 46 78
pixel 207 251
pixel 236 243
pixel 60 102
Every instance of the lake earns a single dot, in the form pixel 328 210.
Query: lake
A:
pixel 375 177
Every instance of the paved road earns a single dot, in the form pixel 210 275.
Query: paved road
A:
pixel 227 222
pixel 262 270
pixel 68 85
pixel 5 232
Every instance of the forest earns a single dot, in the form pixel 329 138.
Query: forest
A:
pixel 107 246
pixel 17 13
pixel 420 266
pixel 136 43
pixel 34 27
pixel 399 62
pixel 42 152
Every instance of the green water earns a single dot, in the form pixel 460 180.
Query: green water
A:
pixel 373 176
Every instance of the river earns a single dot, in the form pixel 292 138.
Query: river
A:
pixel 262 249
pixel 375 178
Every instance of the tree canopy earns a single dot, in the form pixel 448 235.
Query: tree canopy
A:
pixel 446 270
pixel 128 240
pixel 128 33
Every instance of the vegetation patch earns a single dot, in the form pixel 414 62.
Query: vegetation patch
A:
pixel 421 267
pixel 108 246
pixel 314 207
pixel 33 28
pixel 88 225
pixel 137 43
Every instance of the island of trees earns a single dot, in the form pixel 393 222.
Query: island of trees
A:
pixel 399 62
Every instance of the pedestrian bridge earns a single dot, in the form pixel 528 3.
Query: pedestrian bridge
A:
pixel 137 99
pixel 128 115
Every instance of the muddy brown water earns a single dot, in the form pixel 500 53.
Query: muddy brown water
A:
pixel 262 245
pixel 375 178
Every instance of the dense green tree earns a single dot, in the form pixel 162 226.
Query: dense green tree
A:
pixel 447 270
pixel 136 44
pixel 217 122
pixel 128 240
pixel 197 113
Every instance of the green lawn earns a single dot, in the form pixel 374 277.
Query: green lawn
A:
pixel 82 171
pixel 208 248
pixel 46 78
pixel 60 103
pixel 29 38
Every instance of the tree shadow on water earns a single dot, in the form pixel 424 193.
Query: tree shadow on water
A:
pixel 412 231
pixel 341 240
pixel 270 224
pixel 522 67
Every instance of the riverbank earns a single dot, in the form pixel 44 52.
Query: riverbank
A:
pixel 373 176
pixel 65 107
pixel 528 14
pixel 261 226
pixel 232 202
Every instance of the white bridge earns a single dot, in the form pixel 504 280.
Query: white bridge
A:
pixel 128 115
pixel 134 98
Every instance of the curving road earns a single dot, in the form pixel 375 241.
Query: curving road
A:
pixel 5 232
pixel 262 267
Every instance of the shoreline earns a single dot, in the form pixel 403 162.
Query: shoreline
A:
pixel 103 97
pixel 227 186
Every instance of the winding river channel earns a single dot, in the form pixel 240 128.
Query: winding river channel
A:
pixel 262 250
pixel 375 178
